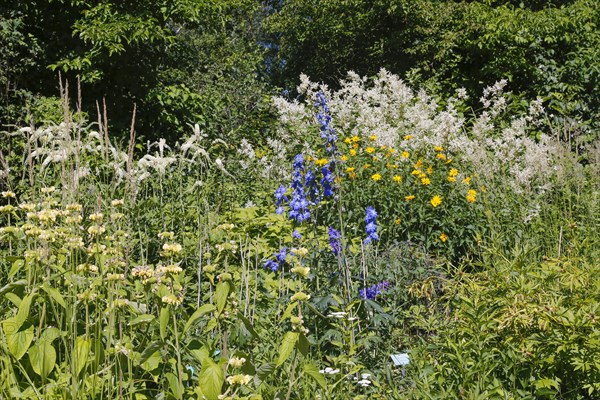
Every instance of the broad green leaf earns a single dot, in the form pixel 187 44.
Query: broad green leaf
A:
pixel 42 357
pixel 303 345
pixel 142 319
pixel 16 267
pixel 313 372
pixel 211 379
pixel 150 350
pixel 82 351
pixel 289 309
pixel 24 308
pixel 18 340
pixel 174 385
pixel 248 325
pixel 12 286
pixel 55 294
pixel 221 294
pixel 164 320
pixel 286 347
pixel 265 370
pixel 203 310
pixel 152 362
pixel 50 334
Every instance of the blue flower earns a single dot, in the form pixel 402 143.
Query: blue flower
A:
pixel 296 234
pixel 279 261
pixel 371 226
pixel 334 240
pixel 372 292
pixel 327 181
pixel 324 118
pixel 280 198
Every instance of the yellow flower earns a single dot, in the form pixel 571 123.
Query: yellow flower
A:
pixel 355 146
pixel 397 178
pixel 451 179
pixel 441 156
pixel 376 177
pixel 408 137
pixel 355 139
pixel 409 198
pixel 375 158
pixel 370 150
pixel 439 148
pixel 352 175
pixel 453 172
pixel 391 150
pixel 436 200
pixel 366 166
pixel 443 237
pixel 419 163
pixel 430 170
pixel 348 140
pixel 344 157
pixel 372 138
pixel 397 221
pixel 483 189
pixel 405 154
pixel 321 162
pixel 416 172
pixel 471 196
pixel 425 181
pixel 352 152
pixel 467 180
pixel 350 169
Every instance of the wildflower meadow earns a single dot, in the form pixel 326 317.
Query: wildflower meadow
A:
pixel 368 238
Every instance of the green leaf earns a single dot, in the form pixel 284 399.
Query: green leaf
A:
pixel 42 357
pixel 248 325
pixel 82 351
pixel 221 294
pixel 286 347
pixel 50 334
pixel 165 314
pixel 303 345
pixel 265 370
pixel 55 294
pixel 142 319
pixel 289 309
pixel 150 350
pixel 203 310
pixel 18 340
pixel 313 372
pixel 16 267
pixel 174 385
pixel 24 308
pixel 211 379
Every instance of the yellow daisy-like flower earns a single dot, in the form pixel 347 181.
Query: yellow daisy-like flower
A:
pixel 376 177
pixel 355 139
pixel 348 140
pixel 425 181
pixel 373 138
pixel 397 221
pixel 471 196
pixel 391 150
pixel 344 157
pixel 467 180
pixel 366 166
pixel 397 178
pixel 453 172
pixel 352 152
pixel 430 170
pixel 355 146
pixel 405 154
pixel 409 198
pixel 451 179
pixel 408 137
pixel 443 237
pixel 321 162
pixel 370 150
pixel 419 163
pixel 441 156
pixel 352 175
pixel 436 200
pixel 416 172
pixel 350 169
pixel 438 148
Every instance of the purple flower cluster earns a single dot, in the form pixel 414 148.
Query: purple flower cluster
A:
pixel 279 260
pixel 299 204
pixel 324 117
pixel 372 292
pixel 371 227
pixel 334 240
